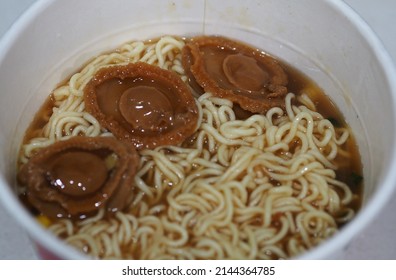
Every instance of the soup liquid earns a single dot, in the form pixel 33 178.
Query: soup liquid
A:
pixel 349 172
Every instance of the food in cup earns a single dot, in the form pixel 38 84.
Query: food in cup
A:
pixel 242 184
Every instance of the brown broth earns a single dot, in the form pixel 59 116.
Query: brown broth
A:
pixel 350 173
pixel 351 170
pixel 35 129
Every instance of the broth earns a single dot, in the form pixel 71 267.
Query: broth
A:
pixel 349 172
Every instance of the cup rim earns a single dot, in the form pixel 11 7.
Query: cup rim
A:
pixel 366 214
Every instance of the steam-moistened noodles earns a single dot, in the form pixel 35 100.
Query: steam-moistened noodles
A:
pixel 266 186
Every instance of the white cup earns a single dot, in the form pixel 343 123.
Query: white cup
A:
pixel 324 39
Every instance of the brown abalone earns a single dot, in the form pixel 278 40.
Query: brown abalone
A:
pixel 77 177
pixel 228 69
pixel 143 104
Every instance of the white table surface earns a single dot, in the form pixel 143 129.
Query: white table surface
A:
pixel 378 241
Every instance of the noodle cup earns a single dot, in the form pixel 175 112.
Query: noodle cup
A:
pixel 325 40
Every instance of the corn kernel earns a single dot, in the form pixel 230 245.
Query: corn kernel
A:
pixel 44 220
